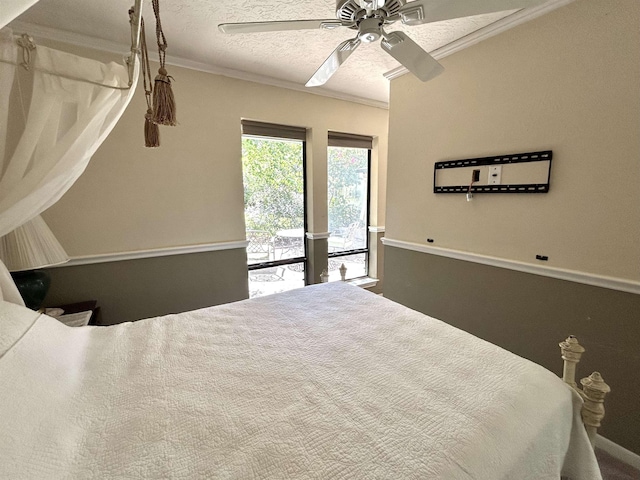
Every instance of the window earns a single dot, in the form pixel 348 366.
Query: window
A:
pixel 348 172
pixel 273 167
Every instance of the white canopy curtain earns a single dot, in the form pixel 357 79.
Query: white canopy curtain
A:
pixel 44 149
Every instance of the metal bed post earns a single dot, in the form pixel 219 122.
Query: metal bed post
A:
pixel 571 353
pixel 593 391
pixel 135 18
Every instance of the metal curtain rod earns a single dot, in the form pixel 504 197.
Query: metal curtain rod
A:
pixel 135 18
pixel 28 45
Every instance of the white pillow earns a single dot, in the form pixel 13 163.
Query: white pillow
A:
pixel 14 323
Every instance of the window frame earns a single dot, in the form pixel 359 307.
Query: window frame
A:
pixel 271 132
pixel 365 250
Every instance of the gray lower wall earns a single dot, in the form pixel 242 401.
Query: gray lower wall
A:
pixel 134 289
pixel 529 315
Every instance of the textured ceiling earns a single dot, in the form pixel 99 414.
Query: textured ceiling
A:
pixel 192 34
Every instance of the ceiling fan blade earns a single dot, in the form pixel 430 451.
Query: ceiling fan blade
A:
pixel 281 26
pixel 411 55
pixel 427 11
pixel 331 64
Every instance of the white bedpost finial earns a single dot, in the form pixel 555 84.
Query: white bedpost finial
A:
pixel 594 389
pixel 571 353
pixel 343 272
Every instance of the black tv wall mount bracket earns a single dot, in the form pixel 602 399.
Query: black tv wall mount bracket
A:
pixel 528 172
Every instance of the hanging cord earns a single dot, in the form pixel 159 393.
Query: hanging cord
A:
pixel 469 194
pixel 151 130
pixel 164 105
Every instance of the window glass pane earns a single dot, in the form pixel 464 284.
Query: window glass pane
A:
pixel 265 281
pixel 356 266
pixel 348 171
pixel 273 175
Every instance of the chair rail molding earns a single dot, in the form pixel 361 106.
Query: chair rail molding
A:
pixel 613 283
pixel 150 253
pixel 618 451
pixel 318 236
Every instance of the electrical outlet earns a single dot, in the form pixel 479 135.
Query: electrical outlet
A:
pixel 476 176
pixel 495 175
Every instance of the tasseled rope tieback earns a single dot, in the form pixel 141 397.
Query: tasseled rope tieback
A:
pixel 164 105
pixel 151 130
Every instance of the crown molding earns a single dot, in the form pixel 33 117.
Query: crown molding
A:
pixel 151 253
pixel 521 16
pixel 510 21
pixel 613 283
pixel 53 34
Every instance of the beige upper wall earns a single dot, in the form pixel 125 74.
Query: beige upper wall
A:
pixel 189 191
pixel 567 81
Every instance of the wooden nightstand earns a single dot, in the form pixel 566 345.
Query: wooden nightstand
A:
pixel 76 309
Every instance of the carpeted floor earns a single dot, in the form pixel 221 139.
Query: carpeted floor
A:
pixel 614 469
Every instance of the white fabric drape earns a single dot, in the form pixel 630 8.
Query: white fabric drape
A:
pixel 67 120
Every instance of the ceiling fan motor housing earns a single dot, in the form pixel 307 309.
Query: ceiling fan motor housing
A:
pixel 352 11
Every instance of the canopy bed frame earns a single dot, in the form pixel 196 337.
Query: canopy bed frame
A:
pixel 74 104
pixel 27 46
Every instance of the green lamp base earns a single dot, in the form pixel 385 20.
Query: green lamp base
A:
pixel 33 286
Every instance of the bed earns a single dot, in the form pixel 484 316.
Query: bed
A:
pixel 328 381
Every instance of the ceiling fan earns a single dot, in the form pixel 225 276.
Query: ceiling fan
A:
pixel 368 17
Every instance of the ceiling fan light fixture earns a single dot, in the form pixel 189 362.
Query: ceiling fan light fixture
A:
pixel 369 29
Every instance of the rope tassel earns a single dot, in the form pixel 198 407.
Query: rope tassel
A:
pixel 151 131
pixel 164 104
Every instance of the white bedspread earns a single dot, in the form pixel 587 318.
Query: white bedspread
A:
pixel 326 382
